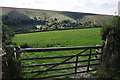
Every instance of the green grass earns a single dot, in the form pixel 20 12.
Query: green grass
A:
pixel 64 38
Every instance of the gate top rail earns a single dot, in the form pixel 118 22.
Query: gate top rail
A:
pixel 56 49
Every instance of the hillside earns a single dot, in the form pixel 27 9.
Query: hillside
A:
pixel 76 15
pixel 28 20
pixel 14 13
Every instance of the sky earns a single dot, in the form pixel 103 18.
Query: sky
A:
pixel 87 6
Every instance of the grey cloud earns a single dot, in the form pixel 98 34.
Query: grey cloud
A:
pixel 90 4
pixel 40 2
pixel 107 5
pixel 77 7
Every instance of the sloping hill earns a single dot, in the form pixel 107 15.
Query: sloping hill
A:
pixel 31 13
pixel 95 19
pixel 76 15
pixel 27 20
pixel 20 19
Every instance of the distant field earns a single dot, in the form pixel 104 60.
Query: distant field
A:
pixel 64 38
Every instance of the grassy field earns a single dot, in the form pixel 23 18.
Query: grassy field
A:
pixel 64 38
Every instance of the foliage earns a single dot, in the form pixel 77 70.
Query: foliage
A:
pixel 7 34
pixel 111 40
pixel 94 20
pixel 24 45
pixel 111 30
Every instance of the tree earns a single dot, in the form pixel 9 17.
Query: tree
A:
pixel 7 34
pixel 110 66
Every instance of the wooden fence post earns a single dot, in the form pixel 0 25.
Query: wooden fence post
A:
pixel 18 63
pixel 17 53
pixel 13 62
pixel 10 72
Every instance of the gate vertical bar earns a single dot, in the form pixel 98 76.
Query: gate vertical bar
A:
pixel 89 60
pixel 101 54
pixel 76 64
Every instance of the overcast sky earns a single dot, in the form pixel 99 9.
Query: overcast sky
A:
pixel 87 6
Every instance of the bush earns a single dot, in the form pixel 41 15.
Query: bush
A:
pixel 25 45
pixel 7 34
pixel 111 52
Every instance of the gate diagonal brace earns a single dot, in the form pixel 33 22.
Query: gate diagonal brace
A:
pixel 60 63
